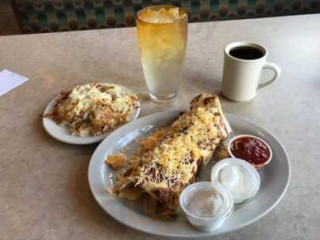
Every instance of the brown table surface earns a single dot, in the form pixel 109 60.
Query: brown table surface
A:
pixel 44 191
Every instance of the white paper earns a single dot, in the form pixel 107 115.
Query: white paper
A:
pixel 9 80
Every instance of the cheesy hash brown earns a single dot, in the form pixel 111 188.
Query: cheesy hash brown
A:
pixel 93 109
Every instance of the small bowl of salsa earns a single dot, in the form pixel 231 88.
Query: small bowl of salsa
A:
pixel 251 149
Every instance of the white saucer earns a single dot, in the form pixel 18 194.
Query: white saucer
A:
pixel 61 134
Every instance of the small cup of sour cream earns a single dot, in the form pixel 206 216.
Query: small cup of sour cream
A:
pixel 239 177
pixel 206 205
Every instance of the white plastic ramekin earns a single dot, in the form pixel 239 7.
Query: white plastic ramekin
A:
pixel 206 224
pixel 257 166
pixel 250 170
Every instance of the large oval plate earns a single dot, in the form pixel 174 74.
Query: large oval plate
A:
pixel 274 180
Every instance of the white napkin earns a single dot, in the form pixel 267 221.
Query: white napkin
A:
pixel 9 80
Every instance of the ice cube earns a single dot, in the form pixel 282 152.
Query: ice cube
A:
pixel 162 15
pixel 176 13
pixel 165 16
pixel 149 15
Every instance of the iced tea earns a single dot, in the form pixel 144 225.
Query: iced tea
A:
pixel 162 34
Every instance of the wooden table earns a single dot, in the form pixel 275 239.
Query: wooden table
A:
pixel 44 191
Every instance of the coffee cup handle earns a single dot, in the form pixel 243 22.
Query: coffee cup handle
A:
pixel 277 71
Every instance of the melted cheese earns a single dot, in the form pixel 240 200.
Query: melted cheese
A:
pixel 94 109
pixel 174 155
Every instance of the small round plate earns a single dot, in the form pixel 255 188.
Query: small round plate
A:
pixel 274 180
pixel 61 134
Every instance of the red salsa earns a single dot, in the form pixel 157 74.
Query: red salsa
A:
pixel 250 149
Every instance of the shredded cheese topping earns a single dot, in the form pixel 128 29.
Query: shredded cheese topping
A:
pixel 176 157
pixel 170 159
pixel 93 109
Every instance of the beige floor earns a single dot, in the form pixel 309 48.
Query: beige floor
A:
pixel 8 23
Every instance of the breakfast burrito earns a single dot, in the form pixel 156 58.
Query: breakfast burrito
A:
pixel 170 159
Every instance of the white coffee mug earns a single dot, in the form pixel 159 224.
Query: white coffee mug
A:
pixel 241 76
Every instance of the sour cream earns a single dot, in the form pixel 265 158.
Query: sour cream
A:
pixel 239 177
pixel 206 205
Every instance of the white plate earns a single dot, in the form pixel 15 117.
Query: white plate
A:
pixel 274 180
pixel 60 133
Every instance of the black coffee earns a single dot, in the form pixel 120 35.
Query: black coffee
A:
pixel 248 53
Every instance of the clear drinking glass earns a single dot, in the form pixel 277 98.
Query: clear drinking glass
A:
pixel 162 34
